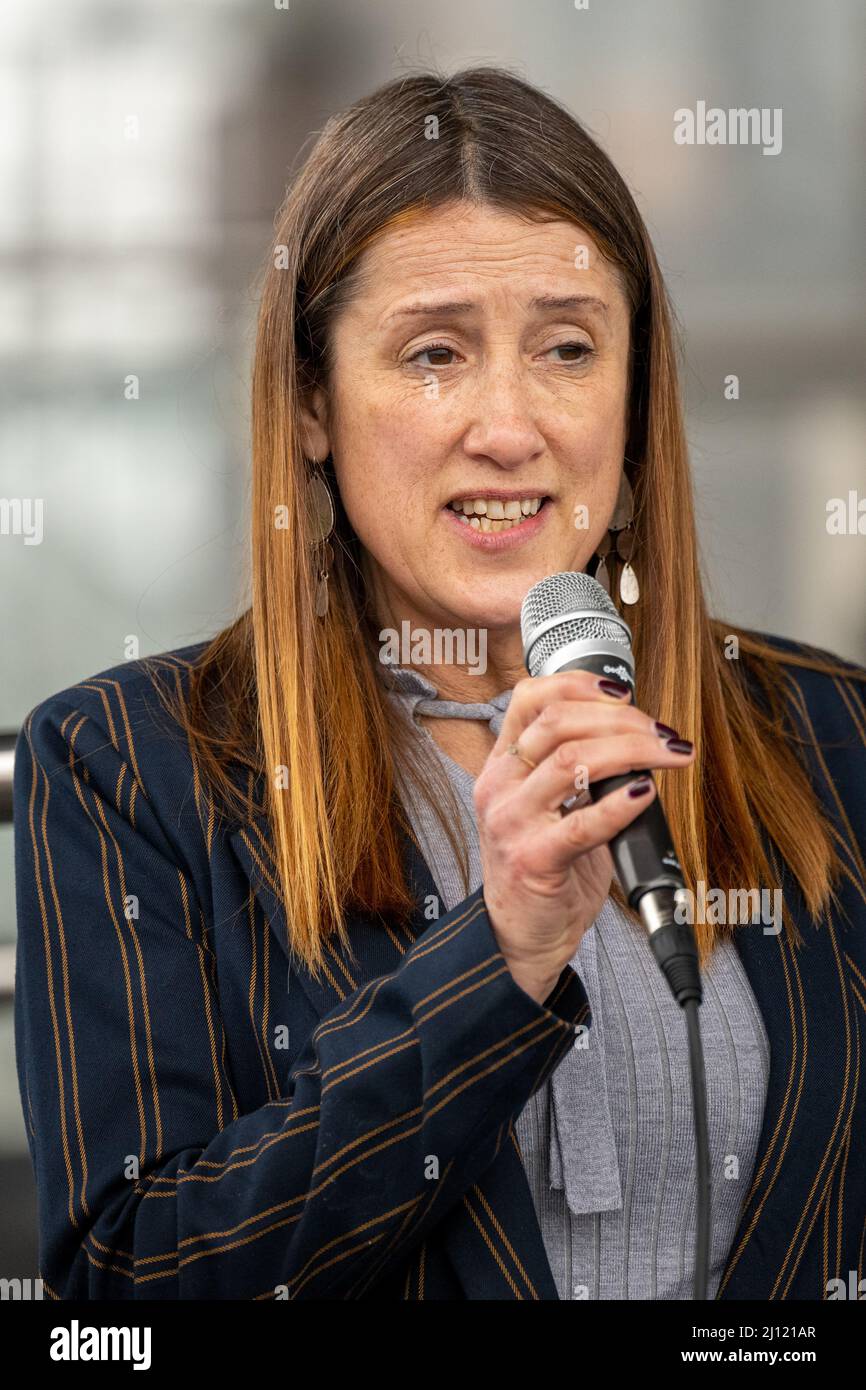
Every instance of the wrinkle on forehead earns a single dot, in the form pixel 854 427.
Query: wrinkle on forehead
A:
pixel 476 244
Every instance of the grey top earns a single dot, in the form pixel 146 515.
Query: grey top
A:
pixel 607 1141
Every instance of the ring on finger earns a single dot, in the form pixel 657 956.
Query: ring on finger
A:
pixel 513 748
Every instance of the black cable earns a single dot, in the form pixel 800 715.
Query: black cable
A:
pixel 702 1150
pixel 674 947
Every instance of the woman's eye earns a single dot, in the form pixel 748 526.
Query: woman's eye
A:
pixel 583 349
pixel 431 347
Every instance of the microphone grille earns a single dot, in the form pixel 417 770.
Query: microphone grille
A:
pixel 558 596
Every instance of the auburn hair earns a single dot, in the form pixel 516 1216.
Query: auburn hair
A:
pixel 296 703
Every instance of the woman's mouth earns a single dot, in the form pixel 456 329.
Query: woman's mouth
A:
pixel 496 523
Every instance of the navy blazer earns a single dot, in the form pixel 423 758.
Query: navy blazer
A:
pixel 208 1121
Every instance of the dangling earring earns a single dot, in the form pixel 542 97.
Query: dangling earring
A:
pixel 620 527
pixel 321 514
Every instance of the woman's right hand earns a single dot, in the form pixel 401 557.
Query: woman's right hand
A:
pixel 546 874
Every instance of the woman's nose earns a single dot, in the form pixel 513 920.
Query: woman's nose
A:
pixel 504 420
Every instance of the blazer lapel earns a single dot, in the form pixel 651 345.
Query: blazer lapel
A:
pixel 492 1239
pixel 375 946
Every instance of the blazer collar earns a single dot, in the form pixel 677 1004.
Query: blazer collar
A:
pixel 814 1057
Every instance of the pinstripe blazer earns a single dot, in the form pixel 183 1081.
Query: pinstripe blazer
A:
pixel 208 1121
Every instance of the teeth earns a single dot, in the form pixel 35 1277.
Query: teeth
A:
pixel 491 514
pixel 496 510
pixel 485 524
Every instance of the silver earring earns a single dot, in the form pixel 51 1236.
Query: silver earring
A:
pixel 621 540
pixel 321 521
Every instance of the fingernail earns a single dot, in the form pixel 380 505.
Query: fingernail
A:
pixel 641 787
pixel 665 730
pixel 680 745
pixel 617 688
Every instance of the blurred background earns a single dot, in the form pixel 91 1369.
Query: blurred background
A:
pixel 144 150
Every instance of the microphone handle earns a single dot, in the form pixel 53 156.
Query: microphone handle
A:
pixel 643 852
pixel 646 862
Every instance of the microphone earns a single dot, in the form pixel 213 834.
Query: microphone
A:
pixel 569 623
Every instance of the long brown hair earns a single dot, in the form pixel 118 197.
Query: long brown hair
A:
pixel 282 692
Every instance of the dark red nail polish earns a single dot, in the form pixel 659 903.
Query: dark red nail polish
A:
pixel 617 688
pixel 640 788
pixel 679 745
pixel 665 730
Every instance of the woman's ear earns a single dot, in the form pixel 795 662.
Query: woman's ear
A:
pixel 315 435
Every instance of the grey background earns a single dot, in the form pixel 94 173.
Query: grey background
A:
pixel 138 255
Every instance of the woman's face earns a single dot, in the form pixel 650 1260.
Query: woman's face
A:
pixel 480 361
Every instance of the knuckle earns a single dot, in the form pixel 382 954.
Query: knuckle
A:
pixel 578 683
pixel 498 817
pixel 630 752
pixel 640 719
pixel 636 747
pixel 566 755
pixel 577 831
pixel 631 719
pixel 551 714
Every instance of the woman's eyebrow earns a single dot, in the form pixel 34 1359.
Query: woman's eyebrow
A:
pixel 465 306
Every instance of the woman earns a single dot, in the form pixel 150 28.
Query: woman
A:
pixel 321 994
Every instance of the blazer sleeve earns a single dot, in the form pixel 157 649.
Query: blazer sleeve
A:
pixel 399 1101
